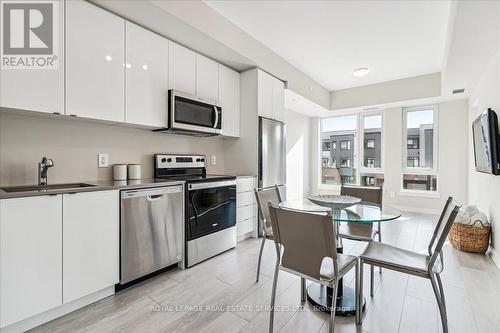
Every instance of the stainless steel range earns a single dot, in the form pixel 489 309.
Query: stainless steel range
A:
pixel 210 205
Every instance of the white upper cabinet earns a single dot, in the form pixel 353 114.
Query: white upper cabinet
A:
pixel 181 69
pixel 229 100
pixel 39 90
pixel 30 257
pixel 271 96
pixel 146 77
pixel 207 79
pixel 265 94
pixel 95 62
pixel 278 100
pixel 90 243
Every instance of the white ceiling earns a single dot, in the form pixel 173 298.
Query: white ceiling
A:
pixel 327 40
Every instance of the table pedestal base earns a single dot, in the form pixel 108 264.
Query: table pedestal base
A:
pixel 321 297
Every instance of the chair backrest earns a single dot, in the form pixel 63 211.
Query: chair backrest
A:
pixel 307 238
pixel 264 196
pixel 369 194
pixel 442 230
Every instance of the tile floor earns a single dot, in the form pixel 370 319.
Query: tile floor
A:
pixel 225 288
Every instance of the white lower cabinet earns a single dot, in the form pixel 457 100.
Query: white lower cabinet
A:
pixel 90 242
pixel 246 211
pixel 30 257
pixel 55 249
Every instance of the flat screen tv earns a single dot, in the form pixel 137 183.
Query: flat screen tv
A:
pixel 486 142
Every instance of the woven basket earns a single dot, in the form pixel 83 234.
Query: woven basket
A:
pixel 470 238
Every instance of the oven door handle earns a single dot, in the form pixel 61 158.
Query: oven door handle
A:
pixel 199 186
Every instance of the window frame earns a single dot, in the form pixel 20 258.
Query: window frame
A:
pixel 434 171
pixel 361 125
pixel 435 138
pixel 358 152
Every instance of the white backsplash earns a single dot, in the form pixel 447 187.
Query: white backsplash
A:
pixel 74 144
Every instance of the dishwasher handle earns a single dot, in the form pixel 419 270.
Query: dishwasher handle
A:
pixel 151 194
pixel 156 197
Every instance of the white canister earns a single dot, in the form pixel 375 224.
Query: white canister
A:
pixel 134 171
pixel 120 172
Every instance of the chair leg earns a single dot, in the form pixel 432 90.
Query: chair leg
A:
pixel 380 241
pixel 334 307
pixel 359 309
pixel 439 298
pixel 372 280
pixel 260 257
pixel 441 292
pixel 303 290
pixel 273 295
pixel 358 304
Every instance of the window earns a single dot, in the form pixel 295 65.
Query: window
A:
pixel 326 145
pixel 413 162
pixel 345 162
pixel 369 162
pixel 372 136
pixel 341 133
pixel 419 182
pixel 372 179
pixel 412 143
pixel 345 145
pixel 420 129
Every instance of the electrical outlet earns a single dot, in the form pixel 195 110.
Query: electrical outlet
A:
pixel 102 160
pixel 214 160
pixel 393 194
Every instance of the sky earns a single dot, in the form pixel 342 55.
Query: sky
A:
pixel 345 123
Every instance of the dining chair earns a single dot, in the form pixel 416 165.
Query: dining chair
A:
pixel 428 265
pixel 362 231
pixel 309 251
pixel 264 196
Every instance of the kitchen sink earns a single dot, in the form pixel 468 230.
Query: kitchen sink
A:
pixel 43 188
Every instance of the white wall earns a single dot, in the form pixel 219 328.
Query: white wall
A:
pixel 423 86
pixel 452 158
pixel 453 143
pixel 73 144
pixel 484 189
pixel 297 155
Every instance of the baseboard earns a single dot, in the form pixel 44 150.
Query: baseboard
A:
pixel 245 236
pixel 495 256
pixel 45 317
pixel 418 210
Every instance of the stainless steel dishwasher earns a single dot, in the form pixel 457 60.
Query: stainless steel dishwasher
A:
pixel 151 230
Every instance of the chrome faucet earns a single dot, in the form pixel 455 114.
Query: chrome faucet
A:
pixel 43 167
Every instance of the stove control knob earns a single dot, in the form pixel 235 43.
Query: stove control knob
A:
pixel 169 160
pixel 198 160
pixel 163 160
pixel 202 160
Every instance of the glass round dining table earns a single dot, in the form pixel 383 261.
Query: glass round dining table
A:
pixel 366 213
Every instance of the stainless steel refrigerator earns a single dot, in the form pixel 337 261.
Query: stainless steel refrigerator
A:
pixel 272 153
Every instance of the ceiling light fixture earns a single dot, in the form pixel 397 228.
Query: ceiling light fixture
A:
pixel 360 72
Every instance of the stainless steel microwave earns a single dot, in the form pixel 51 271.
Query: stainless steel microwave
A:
pixel 188 114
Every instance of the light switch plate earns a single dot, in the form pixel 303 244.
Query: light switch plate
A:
pixel 102 160
pixel 214 160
